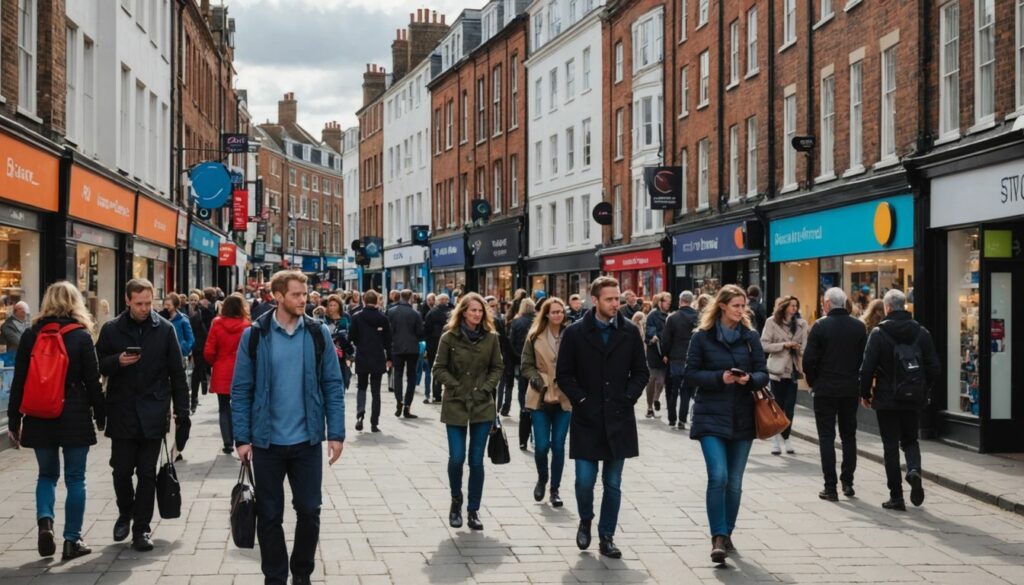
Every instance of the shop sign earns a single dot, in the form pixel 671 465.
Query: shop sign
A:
pixel 333 262
pixel 227 254
pixel 351 274
pixel 405 256
pixel 725 242
pixel 155 222
pixel 203 241
pixel 311 263
pixel 448 253
pixel 632 261
pixel 872 226
pixel 495 247
pixel 144 250
pixel 239 210
pixel 234 143
pixel 30 175
pixel 272 258
pixel 14 216
pixel 182 227
pixel 664 187
pixel 101 201
pixel 259 251
pixel 90 235
pixel 988 193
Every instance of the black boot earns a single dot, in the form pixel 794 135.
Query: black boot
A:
pixel 473 520
pixel 538 490
pixel 359 423
pixel 583 535
pixel 609 549
pixel 73 550
pixel 556 501
pixel 408 413
pixel 455 513
pixel 47 547
pixel 525 426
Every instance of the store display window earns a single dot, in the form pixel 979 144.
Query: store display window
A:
pixel 962 318
pixel 96 276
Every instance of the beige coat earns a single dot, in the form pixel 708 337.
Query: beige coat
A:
pixel 781 361
pixel 539 358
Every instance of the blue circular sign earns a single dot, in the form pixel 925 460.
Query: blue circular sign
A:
pixel 372 249
pixel 211 184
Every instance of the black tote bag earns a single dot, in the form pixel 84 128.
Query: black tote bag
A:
pixel 243 509
pixel 168 490
pixel 497 444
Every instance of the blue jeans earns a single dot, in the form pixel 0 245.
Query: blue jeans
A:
pixel 549 432
pixel 457 459
pixel 48 459
pixel 725 460
pixel 423 373
pixel 611 477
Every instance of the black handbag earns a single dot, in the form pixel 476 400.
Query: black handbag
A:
pixel 497 444
pixel 168 490
pixel 243 509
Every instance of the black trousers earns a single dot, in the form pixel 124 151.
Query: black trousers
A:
pixel 899 431
pixel 302 465
pixel 200 377
pixel 405 366
pixel 138 458
pixel 503 396
pixel 678 392
pixel 224 411
pixel 364 379
pixel 829 410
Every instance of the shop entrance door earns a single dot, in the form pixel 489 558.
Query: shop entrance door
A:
pixel 1003 383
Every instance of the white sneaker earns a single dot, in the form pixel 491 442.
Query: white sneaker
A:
pixel 789 447
pixel 776 445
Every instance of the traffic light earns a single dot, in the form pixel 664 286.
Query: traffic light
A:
pixel 420 235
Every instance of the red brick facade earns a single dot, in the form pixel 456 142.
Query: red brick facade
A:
pixel 371 153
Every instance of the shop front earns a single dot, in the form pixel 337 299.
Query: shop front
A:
pixel 706 259
pixel 448 264
pixel 406 267
pixel 495 251
pixel 95 252
pixel 975 233
pixel 204 248
pixel 155 240
pixel 864 248
pixel 642 271
pixel 564 275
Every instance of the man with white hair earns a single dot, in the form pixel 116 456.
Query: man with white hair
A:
pixel 15 326
pixel 900 369
pixel 835 347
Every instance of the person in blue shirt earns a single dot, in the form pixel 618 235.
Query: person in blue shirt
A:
pixel 182 327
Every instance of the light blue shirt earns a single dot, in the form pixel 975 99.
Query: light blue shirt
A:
pixel 287 403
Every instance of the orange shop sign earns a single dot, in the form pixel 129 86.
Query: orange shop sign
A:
pixel 30 175
pixel 156 222
pixel 101 201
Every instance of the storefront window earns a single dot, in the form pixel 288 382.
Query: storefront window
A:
pixel 963 274
pixel 447 282
pixel 707 278
pixel 19 269
pixel 154 271
pixel 870 276
pixel 96 272
pixel 537 283
pixel 800 279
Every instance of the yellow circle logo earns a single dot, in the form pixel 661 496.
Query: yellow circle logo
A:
pixel 885 223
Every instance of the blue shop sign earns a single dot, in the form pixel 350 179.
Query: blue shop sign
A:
pixel 872 226
pixel 448 253
pixel 203 241
pixel 717 244
pixel 332 262
pixel 311 264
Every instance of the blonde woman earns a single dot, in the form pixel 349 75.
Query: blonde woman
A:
pixel 640 320
pixel 63 311
pixel 725 362
pixel 469 366
pixel 550 409
pixel 873 315
pixel 784 339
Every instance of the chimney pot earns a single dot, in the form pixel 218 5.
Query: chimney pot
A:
pixel 434 16
pixel 412 18
pixel 442 19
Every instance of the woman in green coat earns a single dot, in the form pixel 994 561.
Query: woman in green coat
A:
pixel 468 364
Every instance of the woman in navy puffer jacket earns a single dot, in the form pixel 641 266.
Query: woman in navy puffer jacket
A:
pixel 723 412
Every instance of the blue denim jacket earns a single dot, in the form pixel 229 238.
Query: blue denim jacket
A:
pixel 250 393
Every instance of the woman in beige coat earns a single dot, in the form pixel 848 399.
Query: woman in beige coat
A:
pixel 783 339
pixel 550 409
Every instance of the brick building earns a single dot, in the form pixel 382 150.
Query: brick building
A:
pixel 478 98
pixel 371 171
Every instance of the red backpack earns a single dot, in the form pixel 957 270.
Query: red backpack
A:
pixel 47 372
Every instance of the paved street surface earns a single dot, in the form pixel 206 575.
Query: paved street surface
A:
pixel 385 521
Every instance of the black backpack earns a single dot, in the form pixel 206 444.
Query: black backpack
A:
pixel 261 327
pixel 908 379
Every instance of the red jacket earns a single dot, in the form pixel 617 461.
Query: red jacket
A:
pixel 221 348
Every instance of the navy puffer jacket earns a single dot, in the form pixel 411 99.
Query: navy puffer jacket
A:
pixel 720 409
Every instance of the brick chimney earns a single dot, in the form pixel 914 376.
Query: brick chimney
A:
pixel 374 83
pixel 332 135
pixel 288 110
pixel 400 55
pixel 426 29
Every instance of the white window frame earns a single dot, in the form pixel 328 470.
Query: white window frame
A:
pixel 703 177
pixel 734 162
pixel 703 12
pixel 704 95
pixel 513 82
pixel 513 181
pixel 684 91
pixel 949 70
pixel 620 128
pixel 553 146
pixel 570 80
pixel 684 165
pixel 734 54
pixel 828 127
pixel 498 172
pixel 553 224
pixel 984 109
pixel 538 93
pixel 586 143
pixel 496 100
pixel 570 149
pixel 682 20
pixel 752 59
pixel 538 155
pixel 71 69
pixel 618 62
pixel 28 50
pixel 788 24
pixel 752 156
pixel 887 123
pixel 586 69
pixel 617 213
pixel 570 221
pixel 1019 56
pixel 539 212
pixel 584 219
pixel 553 89
pixel 789 109
pixel 856 126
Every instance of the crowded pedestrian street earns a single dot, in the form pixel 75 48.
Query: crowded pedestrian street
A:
pixel 384 521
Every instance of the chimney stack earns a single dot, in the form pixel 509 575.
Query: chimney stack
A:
pixel 424 35
pixel 400 64
pixel 374 83
pixel 332 135
pixel 288 109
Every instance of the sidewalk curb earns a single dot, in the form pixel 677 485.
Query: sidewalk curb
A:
pixel 968 489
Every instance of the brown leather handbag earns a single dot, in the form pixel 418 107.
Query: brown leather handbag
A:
pixel 769 420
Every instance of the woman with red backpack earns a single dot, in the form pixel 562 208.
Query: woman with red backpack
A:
pixel 55 397
pixel 220 352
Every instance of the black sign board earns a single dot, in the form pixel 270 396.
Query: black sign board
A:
pixel 495 247
pixel 234 143
pixel 481 210
pixel 803 143
pixel 602 213
pixel 664 186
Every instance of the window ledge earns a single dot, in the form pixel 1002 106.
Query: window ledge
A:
pixel 825 178
pixel 682 39
pixel 618 158
pixel 947 138
pixel 851 5
pixel 790 188
pixel 752 73
pixel 783 48
pixel 979 127
pixel 586 91
pixel 1015 114
pixel 886 162
pixel 701 25
pixel 702 207
pixel 825 20
pixel 703 105
pixel 732 85
pixel 684 115
pixel 27 114
pixel 496 134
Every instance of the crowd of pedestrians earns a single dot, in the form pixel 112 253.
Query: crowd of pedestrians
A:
pixel 280 360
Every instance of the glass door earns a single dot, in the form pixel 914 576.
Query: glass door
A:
pixel 1004 407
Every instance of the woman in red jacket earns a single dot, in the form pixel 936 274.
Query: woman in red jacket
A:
pixel 220 351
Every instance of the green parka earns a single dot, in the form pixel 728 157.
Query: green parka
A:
pixel 469 373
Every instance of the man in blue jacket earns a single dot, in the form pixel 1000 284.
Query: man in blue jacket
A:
pixel 280 418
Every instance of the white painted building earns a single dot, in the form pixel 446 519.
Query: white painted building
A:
pixel 119 86
pixel 648 110
pixel 565 133
pixel 350 182
pixel 406 173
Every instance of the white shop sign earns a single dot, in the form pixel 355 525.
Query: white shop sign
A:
pixel 988 193
pixel 405 256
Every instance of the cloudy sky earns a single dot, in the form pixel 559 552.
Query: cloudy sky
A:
pixel 319 50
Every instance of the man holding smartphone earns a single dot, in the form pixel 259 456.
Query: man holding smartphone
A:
pixel 139 354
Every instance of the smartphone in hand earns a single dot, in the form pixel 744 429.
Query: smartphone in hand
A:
pixel 737 372
pixel 133 350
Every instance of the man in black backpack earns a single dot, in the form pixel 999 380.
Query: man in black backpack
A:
pixel 901 363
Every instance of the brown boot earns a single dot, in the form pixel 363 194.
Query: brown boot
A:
pixel 718 550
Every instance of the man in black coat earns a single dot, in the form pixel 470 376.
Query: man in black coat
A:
pixel 140 390
pixel 898 413
pixel 576 310
pixel 517 333
pixel 433 328
pixel 756 306
pixel 371 334
pixel 201 318
pixel 603 370
pixel 424 306
pixel 406 334
pixel 832 358
pixel 675 343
